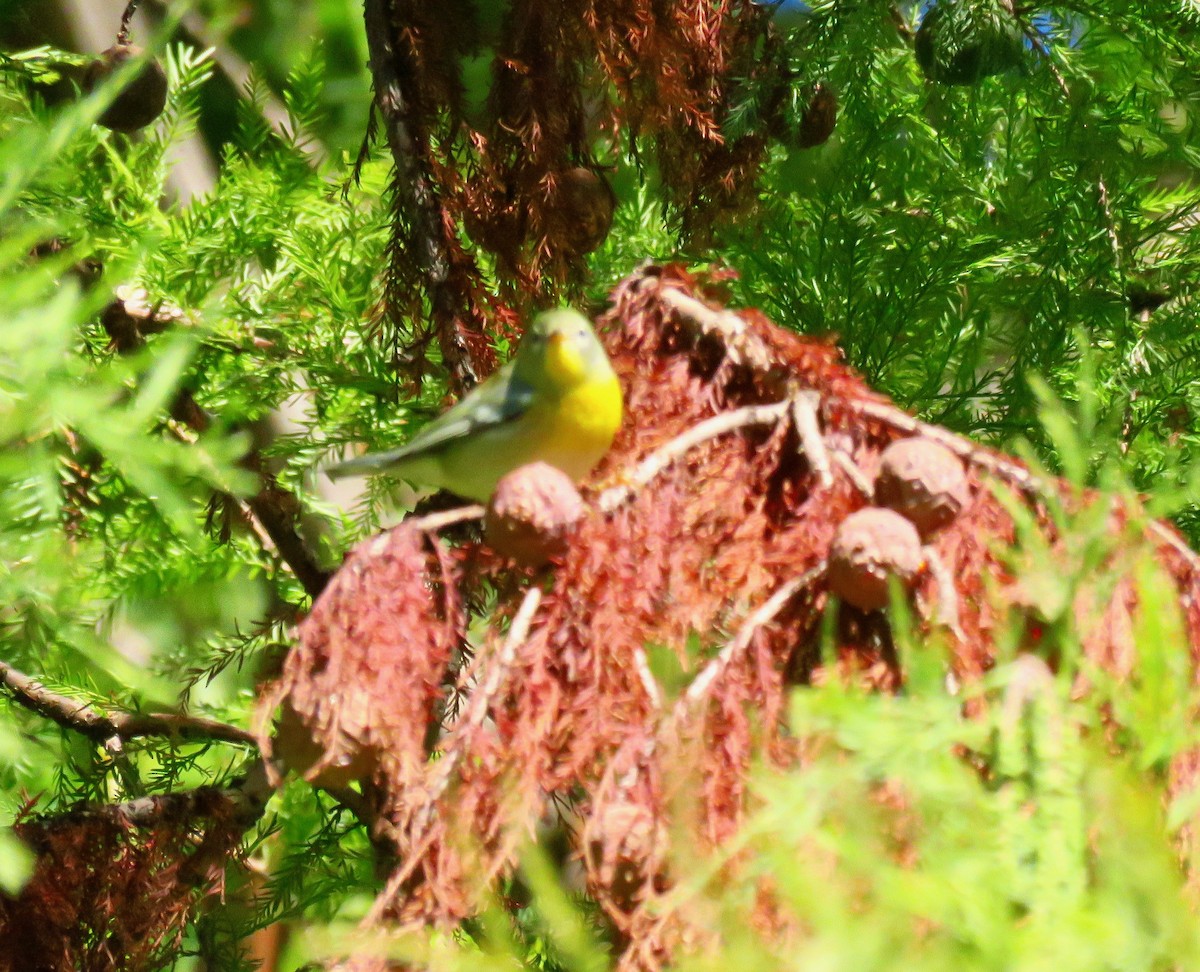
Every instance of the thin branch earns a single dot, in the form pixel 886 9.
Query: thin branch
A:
pixel 274 508
pixel 641 662
pixel 244 801
pixel 353 801
pixel 652 466
pixel 857 477
pixel 1110 223
pixel 433 522
pixel 469 720
pixel 126 20
pixel 480 700
pixel 661 458
pixel 751 350
pixel 278 510
pixel 733 649
pixel 84 718
pixel 1038 45
pixel 746 347
pixel 946 597
pixel 391 74
pixel 741 345
pixel 763 615
pixel 1000 466
pixel 812 443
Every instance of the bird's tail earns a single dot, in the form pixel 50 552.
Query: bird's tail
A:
pixel 372 462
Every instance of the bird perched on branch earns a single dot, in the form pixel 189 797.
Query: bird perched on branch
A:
pixel 557 401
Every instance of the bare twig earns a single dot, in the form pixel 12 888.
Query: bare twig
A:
pixel 1000 466
pixel 856 476
pixel 481 699
pixel 646 677
pixel 804 415
pixel 126 20
pixel 432 522
pixel 746 347
pixel 741 345
pixel 946 597
pixel 733 649
pixel 658 461
pixel 84 718
pixel 1110 223
pixel 358 805
pixel 661 458
pixel 763 615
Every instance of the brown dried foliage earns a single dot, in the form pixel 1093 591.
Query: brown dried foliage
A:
pixel 568 78
pixel 366 679
pixel 109 892
pixel 724 551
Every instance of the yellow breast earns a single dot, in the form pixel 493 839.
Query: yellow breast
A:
pixel 585 421
pixel 595 407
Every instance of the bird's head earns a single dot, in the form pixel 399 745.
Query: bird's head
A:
pixel 561 351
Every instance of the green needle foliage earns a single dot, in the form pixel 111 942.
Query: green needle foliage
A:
pixel 959 237
pixel 1015 258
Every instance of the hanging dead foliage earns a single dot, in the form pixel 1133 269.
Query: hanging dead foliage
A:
pixel 706 537
pixel 115 886
pixel 522 179
pixel 365 683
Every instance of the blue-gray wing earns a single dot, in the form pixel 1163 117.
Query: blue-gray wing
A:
pixel 498 401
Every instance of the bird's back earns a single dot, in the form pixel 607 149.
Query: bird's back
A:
pixel 572 432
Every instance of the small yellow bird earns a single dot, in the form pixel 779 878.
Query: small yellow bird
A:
pixel 557 401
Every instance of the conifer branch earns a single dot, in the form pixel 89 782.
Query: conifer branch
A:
pixel 86 719
pixel 276 510
pixel 240 75
pixel 392 74
pixel 758 619
pixel 745 348
pixel 1035 41
pixel 470 719
pixel 242 802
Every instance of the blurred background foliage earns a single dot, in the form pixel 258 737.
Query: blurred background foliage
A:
pixel 956 238
pixel 269 38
